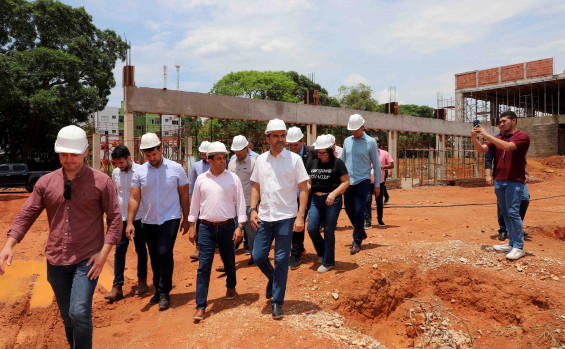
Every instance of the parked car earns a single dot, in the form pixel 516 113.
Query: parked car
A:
pixel 19 176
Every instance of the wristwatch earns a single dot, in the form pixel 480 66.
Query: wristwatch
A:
pixel 240 226
pixel 252 209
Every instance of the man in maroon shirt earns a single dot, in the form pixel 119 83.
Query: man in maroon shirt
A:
pixel 511 148
pixel 75 198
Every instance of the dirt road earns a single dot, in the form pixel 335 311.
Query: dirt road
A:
pixel 430 276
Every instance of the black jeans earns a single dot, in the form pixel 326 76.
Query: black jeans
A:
pixel 122 249
pixel 161 241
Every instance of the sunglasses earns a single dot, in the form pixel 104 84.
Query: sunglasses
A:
pixel 67 192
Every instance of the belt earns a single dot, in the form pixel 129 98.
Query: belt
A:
pixel 217 224
pixel 320 194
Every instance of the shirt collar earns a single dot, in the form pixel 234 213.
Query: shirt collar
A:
pixel 284 153
pixel 162 164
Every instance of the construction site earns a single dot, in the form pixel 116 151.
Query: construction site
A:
pixel 430 279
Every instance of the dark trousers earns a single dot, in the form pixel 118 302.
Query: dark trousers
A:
pixel 379 199
pixel 161 241
pixel 122 249
pixel 209 236
pixel 298 236
pixel 355 199
pixel 73 291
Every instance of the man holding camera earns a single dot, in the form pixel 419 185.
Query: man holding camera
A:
pixel 511 148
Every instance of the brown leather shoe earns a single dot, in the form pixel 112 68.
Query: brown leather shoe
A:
pixel 199 314
pixel 115 294
pixel 141 287
pixel 196 255
pixel 230 293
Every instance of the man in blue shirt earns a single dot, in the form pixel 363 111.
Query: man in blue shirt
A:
pixel 198 168
pixel 359 152
pixel 162 187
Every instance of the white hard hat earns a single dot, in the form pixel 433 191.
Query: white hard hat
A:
pixel 71 139
pixel 216 148
pixel 239 143
pixel 323 142
pixel 355 122
pixel 275 125
pixel 294 134
pixel 332 138
pixel 149 140
pixel 204 147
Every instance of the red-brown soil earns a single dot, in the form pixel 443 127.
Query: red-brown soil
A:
pixel 431 275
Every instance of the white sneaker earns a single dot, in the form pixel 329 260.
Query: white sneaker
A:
pixel 323 268
pixel 516 253
pixel 503 248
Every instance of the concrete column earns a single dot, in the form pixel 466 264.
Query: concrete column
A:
pixel 311 133
pixel 129 126
pixel 440 165
pixel 96 151
pixel 188 150
pixel 393 151
pixel 459 106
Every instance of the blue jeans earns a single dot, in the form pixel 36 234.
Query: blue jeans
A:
pixel 161 241
pixel 524 203
pixel 509 194
pixel 208 237
pixel 320 213
pixel 73 291
pixel 122 249
pixel 281 232
pixel 355 199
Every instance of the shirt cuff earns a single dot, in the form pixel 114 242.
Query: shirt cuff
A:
pixel 192 218
pixel 241 219
pixel 19 236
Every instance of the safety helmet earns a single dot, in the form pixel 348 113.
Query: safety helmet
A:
pixel 239 143
pixel 275 125
pixel 323 142
pixel 355 122
pixel 294 134
pixel 149 140
pixel 332 138
pixel 71 139
pixel 204 147
pixel 216 148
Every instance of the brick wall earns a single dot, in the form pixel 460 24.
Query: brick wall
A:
pixel 466 80
pixel 512 72
pixel 488 76
pixel 540 67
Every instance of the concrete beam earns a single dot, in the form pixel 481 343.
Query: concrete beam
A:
pixel 169 102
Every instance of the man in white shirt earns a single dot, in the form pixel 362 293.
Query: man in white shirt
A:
pixel 276 176
pixel 161 186
pixel 217 198
pixel 122 175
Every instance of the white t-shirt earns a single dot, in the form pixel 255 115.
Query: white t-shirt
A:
pixel 278 178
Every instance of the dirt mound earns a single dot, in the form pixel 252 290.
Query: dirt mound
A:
pixel 553 232
pixel 555 161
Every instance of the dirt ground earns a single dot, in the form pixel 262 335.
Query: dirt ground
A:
pixel 430 278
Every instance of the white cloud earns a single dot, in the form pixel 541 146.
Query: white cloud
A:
pixel 354 79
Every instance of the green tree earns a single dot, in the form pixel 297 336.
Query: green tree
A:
pixel 358 97
pixel 56 69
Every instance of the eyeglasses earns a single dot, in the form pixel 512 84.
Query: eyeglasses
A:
pixel 322 153
pixel 67 192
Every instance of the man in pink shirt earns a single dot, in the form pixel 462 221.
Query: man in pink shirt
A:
pixel 76 197
pixel 387 163
pixel 216 200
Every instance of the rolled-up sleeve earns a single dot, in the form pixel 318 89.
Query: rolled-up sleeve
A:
pixel 374 154
pixel 113 216
pixel 195 203
pixel 29 212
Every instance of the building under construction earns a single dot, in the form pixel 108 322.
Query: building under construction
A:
pixel 530 89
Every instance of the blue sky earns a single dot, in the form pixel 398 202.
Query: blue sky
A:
pixel 416 46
